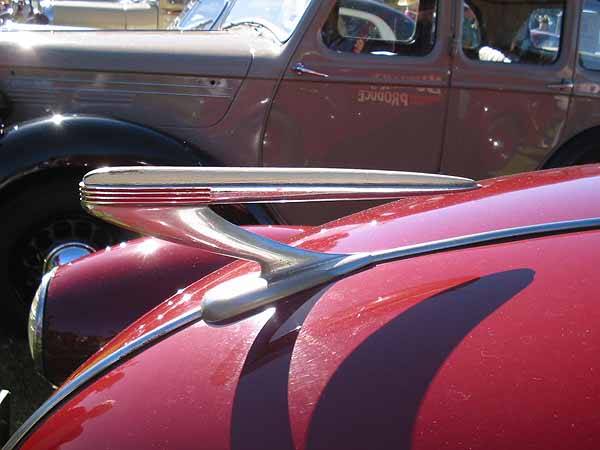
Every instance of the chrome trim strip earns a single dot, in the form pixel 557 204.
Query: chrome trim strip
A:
pixel 35 325
pixel 69 388
pixel 471 240
pixel 220 308
pixel 350 263
pixel 253 194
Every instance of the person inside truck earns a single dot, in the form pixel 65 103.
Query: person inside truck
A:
pixel 472 39
pixel 515 32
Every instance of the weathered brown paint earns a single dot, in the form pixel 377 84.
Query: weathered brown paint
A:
pixel 234 96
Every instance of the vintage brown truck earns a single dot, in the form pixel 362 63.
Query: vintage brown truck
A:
pixel 472 88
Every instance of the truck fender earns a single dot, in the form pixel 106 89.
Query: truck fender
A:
pixel 75 141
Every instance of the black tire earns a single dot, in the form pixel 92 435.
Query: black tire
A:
pixel 40 216
pixel 584 149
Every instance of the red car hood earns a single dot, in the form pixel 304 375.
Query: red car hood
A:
pixel 473 348
pixel 506 202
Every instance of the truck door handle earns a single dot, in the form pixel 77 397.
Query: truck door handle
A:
pixel 564 85
pixel 301 69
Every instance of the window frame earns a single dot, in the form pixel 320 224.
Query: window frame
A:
pixel 579 40
pixel 557 60
pixel 434 36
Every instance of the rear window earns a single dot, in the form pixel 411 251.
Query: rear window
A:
pixel 513 32
pixel 589 35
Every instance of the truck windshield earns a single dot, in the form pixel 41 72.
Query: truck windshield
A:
pixel 279 16
pixel 200 15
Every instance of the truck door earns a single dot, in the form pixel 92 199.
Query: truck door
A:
pixel 512 77
pixel 366 88
pixel 584 112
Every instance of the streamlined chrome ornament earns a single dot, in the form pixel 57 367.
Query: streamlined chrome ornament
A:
pixel 172 204
pixel 159 186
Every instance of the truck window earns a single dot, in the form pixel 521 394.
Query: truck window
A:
pixel 84 15
pixel 589 35
pixel 381 27
pixel 513 32
pixel 199 15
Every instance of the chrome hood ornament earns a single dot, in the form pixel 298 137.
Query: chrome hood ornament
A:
pixel 222 305
pixel 171 203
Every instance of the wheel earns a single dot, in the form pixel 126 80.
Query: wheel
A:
pixel 581 150
pixel 43 225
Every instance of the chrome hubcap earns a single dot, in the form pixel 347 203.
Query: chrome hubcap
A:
pixel 41 243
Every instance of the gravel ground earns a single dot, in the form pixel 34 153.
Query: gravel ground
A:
pixel 17 374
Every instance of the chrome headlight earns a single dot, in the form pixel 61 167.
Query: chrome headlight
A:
pixel 35 326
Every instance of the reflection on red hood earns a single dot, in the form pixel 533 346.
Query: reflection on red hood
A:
pixel 471 348
pixel 505 202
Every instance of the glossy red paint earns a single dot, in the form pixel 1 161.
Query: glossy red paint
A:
pixel 546 196
pixel 368 365
pixel 486 347
pixel 213 380
pixel 500 203
pixel 494 350
pixel 90 302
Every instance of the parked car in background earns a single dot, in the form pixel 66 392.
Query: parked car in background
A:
pixel 112 14
pixel 466 317
pixel 95 14
pixel 87 15
pixel 287 83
